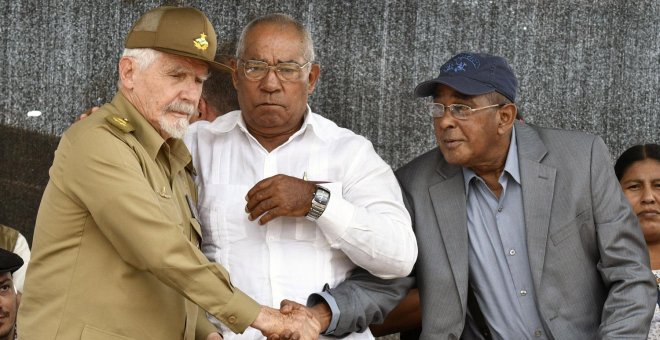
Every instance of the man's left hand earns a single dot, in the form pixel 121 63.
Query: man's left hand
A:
pixel 277 196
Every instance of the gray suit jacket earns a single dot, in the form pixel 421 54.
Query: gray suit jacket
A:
pixel 587 255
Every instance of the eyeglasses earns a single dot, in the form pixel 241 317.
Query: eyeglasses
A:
pixel 257 70
pixel 458 111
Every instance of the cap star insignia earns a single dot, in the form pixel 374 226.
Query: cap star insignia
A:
pixel 201 42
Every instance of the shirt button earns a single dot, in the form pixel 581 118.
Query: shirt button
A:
pixel 499 209
pixel 512 252
pixel 523 292
pixel 538 333
pixel 231 319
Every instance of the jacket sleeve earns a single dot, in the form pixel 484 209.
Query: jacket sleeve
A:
pixel 624 262
pixel 365 299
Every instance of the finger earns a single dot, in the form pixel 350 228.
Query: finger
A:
pixel 260 186
pixel 270 215
pixel 261 208
pixel 287 302
pixel 259 196
pixel 286 309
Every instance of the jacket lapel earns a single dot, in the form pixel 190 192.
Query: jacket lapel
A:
pixel 451 214
pixel 538 182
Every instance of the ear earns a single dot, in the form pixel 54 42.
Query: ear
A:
pixel 202 107
pixel 313 77
pixel 127 70
pixel 234 73
pixel 506 116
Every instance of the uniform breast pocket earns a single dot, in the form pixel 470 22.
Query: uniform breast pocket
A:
pixel 222 212
pixel 168 204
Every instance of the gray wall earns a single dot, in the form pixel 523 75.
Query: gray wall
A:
pixel 584 65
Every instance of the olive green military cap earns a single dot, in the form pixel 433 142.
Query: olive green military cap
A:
pixel 183 31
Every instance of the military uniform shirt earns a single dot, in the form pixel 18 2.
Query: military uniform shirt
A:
pixel 115 251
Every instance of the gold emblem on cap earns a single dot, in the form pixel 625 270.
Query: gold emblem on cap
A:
pixel 201 42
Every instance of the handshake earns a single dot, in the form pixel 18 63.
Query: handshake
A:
pixel 292 321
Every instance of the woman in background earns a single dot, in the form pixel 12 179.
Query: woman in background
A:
pixel 638 171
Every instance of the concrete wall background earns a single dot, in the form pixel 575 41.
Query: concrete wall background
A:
pixel 586 65
pixel 582 64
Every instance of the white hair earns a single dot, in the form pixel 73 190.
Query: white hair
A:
pixel 143 57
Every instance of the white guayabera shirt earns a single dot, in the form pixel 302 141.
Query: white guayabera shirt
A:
pixel 365 223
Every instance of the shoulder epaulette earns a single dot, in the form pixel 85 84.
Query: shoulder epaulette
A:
pixel 120 122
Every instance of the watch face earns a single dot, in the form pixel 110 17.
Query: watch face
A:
pixel 322 195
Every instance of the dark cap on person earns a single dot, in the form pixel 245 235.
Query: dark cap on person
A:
pixel 183 31
pixel 473 74
pixel 9 262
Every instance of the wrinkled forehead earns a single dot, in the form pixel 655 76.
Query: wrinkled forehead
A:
pixel 274 39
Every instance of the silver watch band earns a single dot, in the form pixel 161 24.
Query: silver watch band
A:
pixel 319 203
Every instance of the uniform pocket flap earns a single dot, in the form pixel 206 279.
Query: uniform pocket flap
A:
pixel 93 333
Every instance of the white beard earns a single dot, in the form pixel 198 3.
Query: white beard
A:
pixel 174 128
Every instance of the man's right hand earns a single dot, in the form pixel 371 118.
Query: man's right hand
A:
pixel 321 313
pixel 299 324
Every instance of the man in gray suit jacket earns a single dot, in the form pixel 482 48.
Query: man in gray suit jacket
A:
pixel 523 232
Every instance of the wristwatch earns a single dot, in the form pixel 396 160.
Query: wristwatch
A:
pixel 319 202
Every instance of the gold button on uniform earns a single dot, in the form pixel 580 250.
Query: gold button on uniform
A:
pixel 231 319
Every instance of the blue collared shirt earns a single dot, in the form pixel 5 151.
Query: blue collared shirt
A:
pixel 497 256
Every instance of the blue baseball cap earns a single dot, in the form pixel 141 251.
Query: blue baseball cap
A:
pixel 473 74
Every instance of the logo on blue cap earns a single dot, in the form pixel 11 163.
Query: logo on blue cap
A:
pixel 461 63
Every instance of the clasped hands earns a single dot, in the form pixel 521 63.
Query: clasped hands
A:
pixel 293 321
pixel 279 195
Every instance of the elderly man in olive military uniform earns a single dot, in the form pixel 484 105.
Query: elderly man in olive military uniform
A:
pixel 115 251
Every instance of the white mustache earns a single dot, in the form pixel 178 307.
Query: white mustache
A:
pixel 183 107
